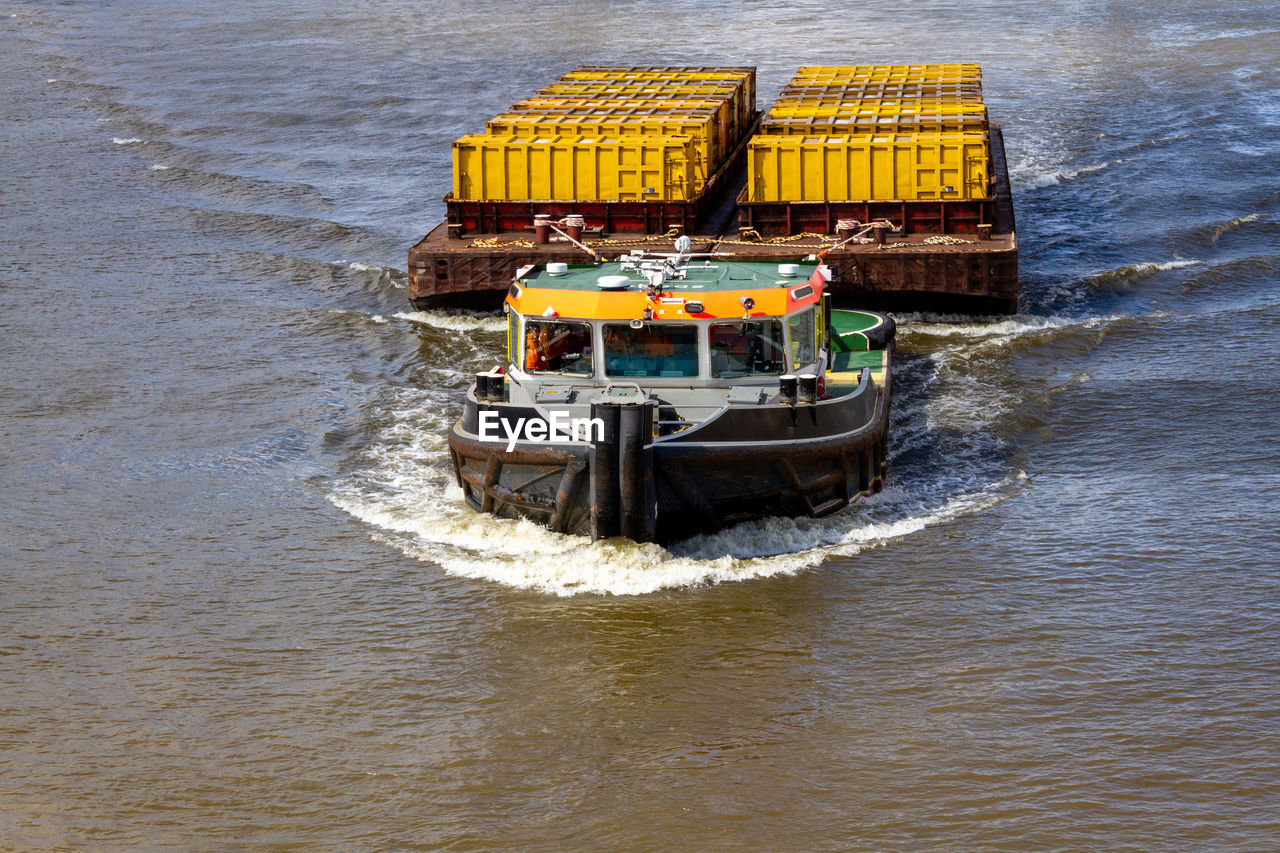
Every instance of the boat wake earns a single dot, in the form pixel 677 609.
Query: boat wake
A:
pixel 1211 234
pixel 404 487
pixel 520 554
pixel 1119 278
pixel 455 322
pixel 1028 176
pixel 950 457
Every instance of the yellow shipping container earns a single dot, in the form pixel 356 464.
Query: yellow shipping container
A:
pixel 888 73
pixel 859 168
pixel 883 81
pixel 947 71
pixel 883 91
pixel 743 79
pixel 704 131
pixel 853 103
pixel 652 90
pixel 864 125
pixel 677 72
pixel 633 116
pixel 666 69
pixel 796 109
pixel 933 67
pixel 727 94
pixel 615 101
pixel 730 129
pixel 571 169
pixel 744 75
pixel 593 108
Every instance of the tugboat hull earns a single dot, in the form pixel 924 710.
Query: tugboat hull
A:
pixel 746 462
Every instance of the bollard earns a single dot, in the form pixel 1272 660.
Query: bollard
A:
pixel 808 388
pixel 542 229
pixel 878 233
pixel 573 226
pixel 984 232
pixel 787 389
pixel 497 387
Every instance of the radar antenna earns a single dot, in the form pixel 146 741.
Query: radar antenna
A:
pixel 683 247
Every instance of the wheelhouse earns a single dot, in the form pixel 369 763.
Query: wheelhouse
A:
pixel 660 323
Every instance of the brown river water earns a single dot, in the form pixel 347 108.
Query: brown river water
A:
pixel 243 607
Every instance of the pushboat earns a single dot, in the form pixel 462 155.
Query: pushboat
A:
pixel 657 397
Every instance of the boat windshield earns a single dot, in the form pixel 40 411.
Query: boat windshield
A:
pixel 655 349
pixel 804 333
pixel 747 348
pixel 556 346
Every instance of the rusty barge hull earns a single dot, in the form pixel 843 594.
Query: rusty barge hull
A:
pixel 942 262
pixel 975 277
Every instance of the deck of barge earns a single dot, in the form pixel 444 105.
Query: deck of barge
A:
pixel 910 273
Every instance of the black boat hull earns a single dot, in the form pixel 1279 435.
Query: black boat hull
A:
pixel 745 463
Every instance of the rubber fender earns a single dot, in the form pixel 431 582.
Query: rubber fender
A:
pixel 882 335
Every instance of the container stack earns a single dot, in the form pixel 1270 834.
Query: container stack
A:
pixel 874 132
pixel 603 133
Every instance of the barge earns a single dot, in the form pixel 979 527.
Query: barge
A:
pixel 664 395
pixel 611 159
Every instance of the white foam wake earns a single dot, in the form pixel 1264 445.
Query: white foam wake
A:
pixel 131 140
pixel 1166 265
pixel 1134 272
pixel 1232 224
pixel 403 485
pixel 438 528
pixel 996 332
pixel 1048 179
pixel 455 322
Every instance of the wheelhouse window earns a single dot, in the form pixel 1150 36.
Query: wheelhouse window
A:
pixel 747 348
pixel 513 337
pixel 803 331
pixel 557 346
pixel 655 349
